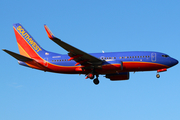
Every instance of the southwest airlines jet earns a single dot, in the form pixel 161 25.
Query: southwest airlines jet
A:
pixel 114 65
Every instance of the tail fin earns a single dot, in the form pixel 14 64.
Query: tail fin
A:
pixel 27 45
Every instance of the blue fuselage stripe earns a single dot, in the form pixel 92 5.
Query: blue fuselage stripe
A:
pixel 113 58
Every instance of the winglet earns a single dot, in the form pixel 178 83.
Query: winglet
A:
pixel 49 33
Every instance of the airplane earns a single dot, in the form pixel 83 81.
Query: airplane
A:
pixel 114 65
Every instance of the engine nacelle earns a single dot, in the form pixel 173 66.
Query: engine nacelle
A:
pixel 119 76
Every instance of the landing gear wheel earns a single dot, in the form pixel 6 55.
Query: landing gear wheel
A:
pixel 158 76
pixel 96 81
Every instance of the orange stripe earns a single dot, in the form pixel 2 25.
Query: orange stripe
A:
pixel 22 51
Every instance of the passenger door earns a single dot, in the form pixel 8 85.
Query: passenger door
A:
pixel 153 57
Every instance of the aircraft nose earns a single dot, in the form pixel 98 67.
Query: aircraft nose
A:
pixel 174 62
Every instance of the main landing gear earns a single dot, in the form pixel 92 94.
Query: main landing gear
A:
pixel 96 81
pixel 91 76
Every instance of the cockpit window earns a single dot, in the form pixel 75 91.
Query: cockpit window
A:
pixel 165 55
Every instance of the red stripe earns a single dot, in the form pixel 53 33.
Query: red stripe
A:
pixel 107 69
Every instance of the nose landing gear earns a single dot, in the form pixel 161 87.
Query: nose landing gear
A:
pixel 160 70
pixel 158 76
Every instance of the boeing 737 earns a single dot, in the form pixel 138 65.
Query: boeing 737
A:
pixel 114 65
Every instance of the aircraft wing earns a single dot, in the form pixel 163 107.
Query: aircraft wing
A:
pixel 18 56
pixel 79 56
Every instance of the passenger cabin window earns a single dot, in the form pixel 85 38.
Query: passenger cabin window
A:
pixel 136 57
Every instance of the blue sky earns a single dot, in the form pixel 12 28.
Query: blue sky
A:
pixel 92 26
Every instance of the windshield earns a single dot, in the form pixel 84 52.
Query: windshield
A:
pixel 165 55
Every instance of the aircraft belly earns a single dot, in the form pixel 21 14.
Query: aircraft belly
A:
pixel 131 67
pixel 142 66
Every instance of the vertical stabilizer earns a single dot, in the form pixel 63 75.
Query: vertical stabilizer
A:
pixel 27 45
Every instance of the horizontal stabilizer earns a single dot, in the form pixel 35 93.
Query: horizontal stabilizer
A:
pixel 18 56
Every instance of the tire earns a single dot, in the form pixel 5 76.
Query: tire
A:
pixel 96 81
